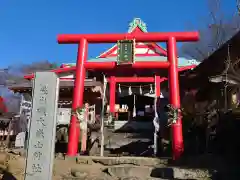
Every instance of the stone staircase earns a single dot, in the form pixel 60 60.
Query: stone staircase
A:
pixel 133 168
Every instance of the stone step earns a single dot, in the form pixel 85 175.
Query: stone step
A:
pixel 141 168
pixel 143 173
pixel 110 161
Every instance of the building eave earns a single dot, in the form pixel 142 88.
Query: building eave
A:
pixel 26 86
pixel 182 63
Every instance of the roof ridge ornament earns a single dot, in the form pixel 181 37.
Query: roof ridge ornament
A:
pixel 137 22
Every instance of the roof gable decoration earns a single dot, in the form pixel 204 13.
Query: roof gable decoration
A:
pixel 142 49
pixel 137 22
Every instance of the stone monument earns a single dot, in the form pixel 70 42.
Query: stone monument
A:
pixel 40 154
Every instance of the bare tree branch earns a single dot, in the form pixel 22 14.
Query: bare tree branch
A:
pixel 219 28
pixel 14 75
pixel 238 6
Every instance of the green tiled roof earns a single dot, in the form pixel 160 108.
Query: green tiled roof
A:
pixel 182 62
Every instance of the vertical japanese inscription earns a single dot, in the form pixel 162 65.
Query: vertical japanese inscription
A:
pixel 125 51
pixel 43 127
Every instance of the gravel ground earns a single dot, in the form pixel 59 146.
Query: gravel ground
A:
pixel 125 168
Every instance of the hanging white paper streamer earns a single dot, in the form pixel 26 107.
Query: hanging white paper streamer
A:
pixel 151 89
pixel 119 89
pixel 130 90
pixel 140 90
pixel 134 106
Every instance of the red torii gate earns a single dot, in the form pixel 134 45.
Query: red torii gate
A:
pixel 113 80
pixel 82 65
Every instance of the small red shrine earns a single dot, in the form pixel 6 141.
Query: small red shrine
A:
pixel 150 63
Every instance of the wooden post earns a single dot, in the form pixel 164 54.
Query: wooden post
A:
pixel 10 127
pixel 84 130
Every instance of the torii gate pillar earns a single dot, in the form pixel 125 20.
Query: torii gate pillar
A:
pixel 174 95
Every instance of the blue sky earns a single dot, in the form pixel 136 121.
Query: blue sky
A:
pixel 29 27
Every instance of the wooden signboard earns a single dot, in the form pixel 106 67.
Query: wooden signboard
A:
pixel 125 51
pixel 40 155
